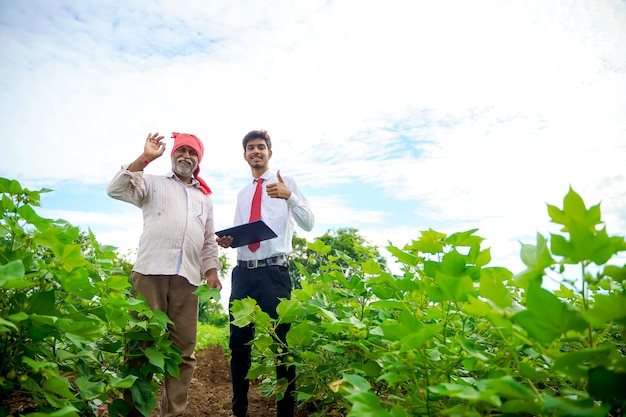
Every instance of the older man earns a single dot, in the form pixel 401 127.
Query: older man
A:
pixel 177 249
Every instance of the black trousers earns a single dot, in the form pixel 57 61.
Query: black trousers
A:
pixel 266 285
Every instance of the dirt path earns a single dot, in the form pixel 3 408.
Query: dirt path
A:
pixel 211 391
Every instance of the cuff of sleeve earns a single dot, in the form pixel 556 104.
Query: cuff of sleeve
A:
pixel 206 265
pixel 293 200
pixel 135 177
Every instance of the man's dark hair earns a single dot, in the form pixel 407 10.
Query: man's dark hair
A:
pixel 257 134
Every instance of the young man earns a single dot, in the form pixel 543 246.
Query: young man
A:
pixel 177 248
pixel 261 271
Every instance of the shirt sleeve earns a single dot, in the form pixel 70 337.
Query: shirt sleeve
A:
pixel 299 207
pixel 128 186
pixel 209 255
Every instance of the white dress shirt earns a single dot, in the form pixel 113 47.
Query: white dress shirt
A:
pixel 280 215
pixel 178 230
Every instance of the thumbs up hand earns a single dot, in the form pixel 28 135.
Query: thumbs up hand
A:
pixel 278 189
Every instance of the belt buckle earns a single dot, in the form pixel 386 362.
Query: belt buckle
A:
pixel 252 264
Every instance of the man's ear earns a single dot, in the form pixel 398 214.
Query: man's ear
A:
pixel 269 155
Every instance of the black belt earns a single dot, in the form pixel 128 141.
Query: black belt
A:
pixel 253 264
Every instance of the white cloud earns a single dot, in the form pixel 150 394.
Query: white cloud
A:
pixel 477 113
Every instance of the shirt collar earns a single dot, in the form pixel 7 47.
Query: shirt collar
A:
pixel 194 181
pixel 266 176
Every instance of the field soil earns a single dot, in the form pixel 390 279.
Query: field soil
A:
pixel 211 391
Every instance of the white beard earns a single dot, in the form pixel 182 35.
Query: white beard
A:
pixel 180 167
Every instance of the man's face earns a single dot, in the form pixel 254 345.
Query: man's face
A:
pixel 257 153
pixel 184 161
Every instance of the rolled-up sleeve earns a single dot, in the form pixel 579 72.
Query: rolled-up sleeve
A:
pixel 128 186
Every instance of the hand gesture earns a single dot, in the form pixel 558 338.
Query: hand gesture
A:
pixel 278 189
pixel 153 147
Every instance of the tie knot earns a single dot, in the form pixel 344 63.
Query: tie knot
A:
pixel 258 180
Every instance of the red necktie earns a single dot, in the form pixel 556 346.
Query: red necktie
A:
pixel 255 211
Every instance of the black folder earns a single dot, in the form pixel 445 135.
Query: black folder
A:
pixel 247 233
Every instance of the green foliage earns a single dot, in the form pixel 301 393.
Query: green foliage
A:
pixel 210 335
pixel 210 311
pixel 452 335
pixel 345 243
pixel 66 318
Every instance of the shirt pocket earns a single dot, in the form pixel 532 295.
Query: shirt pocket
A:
pixel 199 210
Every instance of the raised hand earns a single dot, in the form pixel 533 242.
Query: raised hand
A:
pixel 153 147
pixel 278 189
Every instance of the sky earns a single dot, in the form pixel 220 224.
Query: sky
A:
pixel 393 116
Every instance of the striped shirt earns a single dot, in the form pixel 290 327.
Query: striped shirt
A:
pixel 280 215
pixel 178 231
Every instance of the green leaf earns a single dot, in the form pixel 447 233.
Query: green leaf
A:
pixel 206 293
pixel 59 386
pixel 465 392
pixel 537 257
pixel 12 270
pixel 143 396
pixel 584 244
pixel 7 204
pixel 12 276
pixel 479 258
pixel 121 383
pixel 617 273
pixel 43 303
pixel 87 329
pixel 565 407
pixel 318 246
pixel 10 186
pixel 477 307
pixel 117 282
pixel 28 214
pixel 508 387
pixel 430 242
pixel 492 286
pixel 574 210
pixel 546 318
pixel 288 310
pixel 243 311
pixel 300 334
pixel 607 385
pixel 415 340
pixel 71 256
pixel 65 411
pixel 155 357
pixel 371 267
pixel 464 239
pixel 403 257
pixel 6 326
pixel 453 264
pixel 77 282
pixel 455 288
pixel 577 363
pixel 88 388
pixel 606 309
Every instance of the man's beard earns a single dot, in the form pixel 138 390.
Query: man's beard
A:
pixel 181 168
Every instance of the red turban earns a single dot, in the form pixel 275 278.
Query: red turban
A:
pixel 185 139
